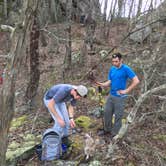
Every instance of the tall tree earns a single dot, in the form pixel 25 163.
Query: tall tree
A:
pixel 34 59
pixel 90 24
pixel 68 34
pixel 5 8
pixel 131 9
pixel 7 95
pixel 139 8
pixel 104 19
pixel 120 8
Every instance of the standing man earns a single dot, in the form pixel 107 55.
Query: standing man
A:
pixel 118 75
pixel 55 100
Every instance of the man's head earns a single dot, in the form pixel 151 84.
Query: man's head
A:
pixel 79 91
pixel 117 59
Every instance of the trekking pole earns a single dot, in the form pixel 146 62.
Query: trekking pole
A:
pixel 101 104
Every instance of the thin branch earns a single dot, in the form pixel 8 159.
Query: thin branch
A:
pixel 140 100
pixel 56 37
pixel 160 97
pixel 8 28
pixel 115 47
pixel 149 113
pixel 132 114
pixel 136 30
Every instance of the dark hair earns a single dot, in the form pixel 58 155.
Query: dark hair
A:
pixel 117 55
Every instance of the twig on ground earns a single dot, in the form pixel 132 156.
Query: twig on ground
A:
pixel 34 120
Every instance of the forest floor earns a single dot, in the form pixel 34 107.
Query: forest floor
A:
pixel 143 145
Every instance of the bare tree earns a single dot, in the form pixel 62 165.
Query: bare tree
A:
pixel 111 16
pixel 68 44
pixel 5 8
pixel 104 19
pixel 7 95
pixel 90 24
pixel 131 9
pixel 34 60
pixel 112 10
pixel 120 8
pixel 124 8
pixel 139 8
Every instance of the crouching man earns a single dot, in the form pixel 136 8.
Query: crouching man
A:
pixel 55 100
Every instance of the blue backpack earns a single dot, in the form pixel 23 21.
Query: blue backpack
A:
pixel 52 146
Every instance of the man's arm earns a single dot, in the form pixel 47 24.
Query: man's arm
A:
pixel 104 84
pixel 71 116
pixel 51 107
pixel 134 83
pixel 71 111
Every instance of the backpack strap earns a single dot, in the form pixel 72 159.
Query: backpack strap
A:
pixel 50 133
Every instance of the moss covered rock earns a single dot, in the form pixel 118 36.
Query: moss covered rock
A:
pixel 84 122
pixel 21 150
pixel 17 122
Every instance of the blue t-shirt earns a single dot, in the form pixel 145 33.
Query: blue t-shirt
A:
pixel 119 77
pixel 61 93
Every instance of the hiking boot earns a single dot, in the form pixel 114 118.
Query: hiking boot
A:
pixel 103 133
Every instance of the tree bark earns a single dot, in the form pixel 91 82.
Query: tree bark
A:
pixel 34 60
pixel 68 48
pixel 139 8
pixel 5 8
pixel 7 95
pixel 68 35
pixel 120 8
pixel 104 19
pixel 132 114
pixel 130 10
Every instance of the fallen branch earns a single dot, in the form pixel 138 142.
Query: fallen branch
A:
pixel 160 97
pixel 8 28
pixel 132 114
pixel 140 100
pixel 149 113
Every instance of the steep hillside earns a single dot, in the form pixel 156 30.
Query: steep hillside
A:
pixel 145 140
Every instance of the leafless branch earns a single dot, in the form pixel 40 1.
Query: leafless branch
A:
pixel 146 25
pixel 8 28
pixel 56 37
pixel 160 97
pixel 115 47
pixel 140 100
pixel 147 114
pixel 132 114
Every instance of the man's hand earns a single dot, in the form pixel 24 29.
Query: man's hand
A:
pixel 61 122
pixel 122 92
pixel 72 123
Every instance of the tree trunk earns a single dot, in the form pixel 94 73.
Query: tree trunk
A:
pixel 130 10
pixel 7 95
pixel 5 8
pixel 68 35
pixel 6 114
pixel 90 24
pixel 139 8
pixel 104 19
pixel 68 47
pixel 34 60
pixel 120 8
pixel 113 10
